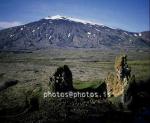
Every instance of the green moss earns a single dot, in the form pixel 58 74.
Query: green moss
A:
pixel 85 84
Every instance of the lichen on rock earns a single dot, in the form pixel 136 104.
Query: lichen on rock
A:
pixel 116 82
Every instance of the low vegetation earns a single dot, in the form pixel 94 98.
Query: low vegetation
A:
pixel 89 69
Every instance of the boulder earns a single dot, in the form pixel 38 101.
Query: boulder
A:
pixel 61 80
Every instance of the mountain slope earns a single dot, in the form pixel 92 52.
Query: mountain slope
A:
pixel 58 31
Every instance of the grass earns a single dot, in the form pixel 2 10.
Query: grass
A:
pixel 141 69
pixel 87 65
pixel 85 84
pixel 89 68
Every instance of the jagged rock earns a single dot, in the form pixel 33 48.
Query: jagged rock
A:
pixel 122 69
pixel 116 82
pixel 136 94
pixel 129 91
pixel 62 79
pixel 114 85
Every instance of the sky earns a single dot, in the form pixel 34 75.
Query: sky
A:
pixel 130 15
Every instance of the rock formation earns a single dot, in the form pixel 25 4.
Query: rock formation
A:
pixel 62 79
pixel 136 94
pixel 117 82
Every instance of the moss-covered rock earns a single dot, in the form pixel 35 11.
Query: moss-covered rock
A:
pixel 117 81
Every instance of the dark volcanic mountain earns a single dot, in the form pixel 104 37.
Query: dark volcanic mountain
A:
pixel 65 32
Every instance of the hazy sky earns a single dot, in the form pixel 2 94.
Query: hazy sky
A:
pixel 131 15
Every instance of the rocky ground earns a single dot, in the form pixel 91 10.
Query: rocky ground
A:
pixel 89 68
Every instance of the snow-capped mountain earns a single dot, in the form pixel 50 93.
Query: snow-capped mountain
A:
pixel 61 31
pixel 58 17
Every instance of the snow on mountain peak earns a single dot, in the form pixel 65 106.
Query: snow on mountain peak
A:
pixel 57 17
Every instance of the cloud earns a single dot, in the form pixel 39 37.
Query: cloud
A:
pixel 6 24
